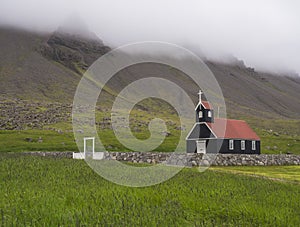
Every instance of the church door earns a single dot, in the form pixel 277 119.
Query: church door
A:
pixel 201 146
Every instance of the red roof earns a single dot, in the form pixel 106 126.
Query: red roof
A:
pixel 206 105
pixel 235 129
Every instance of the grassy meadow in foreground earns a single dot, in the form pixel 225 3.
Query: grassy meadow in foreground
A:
pixel 38 191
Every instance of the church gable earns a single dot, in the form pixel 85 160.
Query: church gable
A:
pixel 200 131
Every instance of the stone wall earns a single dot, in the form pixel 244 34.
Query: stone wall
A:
pixel 256 160
pixel 190 159
pixel 199 159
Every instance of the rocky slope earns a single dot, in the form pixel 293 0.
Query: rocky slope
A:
pixel 72 51
pixel 48 67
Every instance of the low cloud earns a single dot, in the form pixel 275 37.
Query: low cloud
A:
pixel 265 34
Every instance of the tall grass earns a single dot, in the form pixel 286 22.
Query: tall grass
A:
pixel 62 192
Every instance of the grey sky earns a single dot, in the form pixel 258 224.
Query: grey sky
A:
pixel 265 34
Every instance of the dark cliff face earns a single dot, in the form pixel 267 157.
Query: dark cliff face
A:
pixel 75 52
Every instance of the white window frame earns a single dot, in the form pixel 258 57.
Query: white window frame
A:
pixel 209 114
pixel 243 145
pixel 253 145
pixel 200 114
pixel 231 145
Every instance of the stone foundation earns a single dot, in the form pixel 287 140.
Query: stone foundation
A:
pixel 200 159
pixel 189 159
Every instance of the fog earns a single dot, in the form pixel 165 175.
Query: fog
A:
pixel 264 34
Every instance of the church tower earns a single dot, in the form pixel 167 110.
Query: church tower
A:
pixel 204 111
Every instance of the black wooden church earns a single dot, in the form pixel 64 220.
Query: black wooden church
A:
pixel 208 134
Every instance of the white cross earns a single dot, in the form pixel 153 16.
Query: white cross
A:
pixel 200 94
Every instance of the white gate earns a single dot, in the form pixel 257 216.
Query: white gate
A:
pixel 88 149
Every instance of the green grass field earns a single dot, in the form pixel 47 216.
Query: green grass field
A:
pixel 285 173
pixel 15 141
pixel 38 191
pixel 278 136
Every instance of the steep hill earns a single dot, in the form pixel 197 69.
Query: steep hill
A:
pixel 48 67
pixel 44 66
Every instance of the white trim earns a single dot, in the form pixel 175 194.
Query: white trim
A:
pixel 253 145
pixel 243 145
pixel 211 130
pixel 84 145
pixel 204 139
pixel 197 106
pixel 224 139
pixel 78 155
pixel 199 123
pixel 202 105
pixel 191 131
pixel 231 145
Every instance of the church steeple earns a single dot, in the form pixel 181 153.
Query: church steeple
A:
pixel 204 111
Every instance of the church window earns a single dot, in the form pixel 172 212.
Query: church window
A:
pixel 200 114
pixel 209 113
pixel 231 147
pixel 243 147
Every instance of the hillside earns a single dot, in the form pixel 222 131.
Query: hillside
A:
pixel 48 67
pixel 43 67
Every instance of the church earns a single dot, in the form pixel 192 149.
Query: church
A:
pixel 219 135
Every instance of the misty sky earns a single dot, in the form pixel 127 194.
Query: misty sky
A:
pixel 263 33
